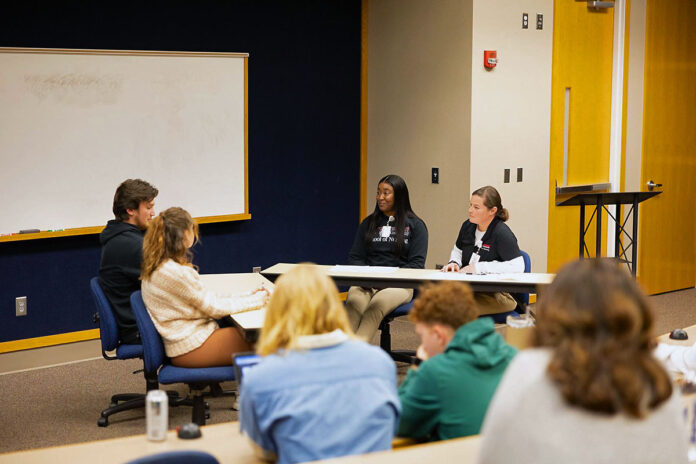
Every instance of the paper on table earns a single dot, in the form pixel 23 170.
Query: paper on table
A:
pixel 364 269
pixel 523 278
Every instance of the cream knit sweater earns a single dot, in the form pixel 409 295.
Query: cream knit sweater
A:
pixel 183 311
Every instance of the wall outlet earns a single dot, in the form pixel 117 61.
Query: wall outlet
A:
pixel 21 306
pixel 256 269
pixel 525 21
pixel 540 21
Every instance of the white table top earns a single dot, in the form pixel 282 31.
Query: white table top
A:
pixel 240 283
pixel 378 276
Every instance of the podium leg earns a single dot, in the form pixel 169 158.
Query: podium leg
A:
pixel 634 248
pixel 598 248
pixel 582 231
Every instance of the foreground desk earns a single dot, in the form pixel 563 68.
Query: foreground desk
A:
pixel 229 447
pixel 458 450
pixel 373 276
pixel 221 440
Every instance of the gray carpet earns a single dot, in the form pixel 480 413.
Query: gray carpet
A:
pixel 61 405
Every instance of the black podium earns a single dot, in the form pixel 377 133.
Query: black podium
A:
pixel 600 201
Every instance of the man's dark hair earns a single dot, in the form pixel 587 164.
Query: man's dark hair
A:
pixel 130 194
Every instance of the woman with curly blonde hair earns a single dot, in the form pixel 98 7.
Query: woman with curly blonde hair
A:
pixel 591 391
pixel 318 392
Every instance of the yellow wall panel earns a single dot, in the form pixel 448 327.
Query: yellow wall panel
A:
pixel 582 62
pixel 667 251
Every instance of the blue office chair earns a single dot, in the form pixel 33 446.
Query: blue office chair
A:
pixel 406 356
pixel 108 332
pixel 157 363
pixel 177 457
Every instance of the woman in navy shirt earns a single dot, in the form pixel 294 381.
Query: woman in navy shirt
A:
pixel 486 245
pixel 391 236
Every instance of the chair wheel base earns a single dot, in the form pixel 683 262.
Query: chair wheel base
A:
pixel 103 421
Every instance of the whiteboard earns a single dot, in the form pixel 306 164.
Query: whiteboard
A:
pixel 75 123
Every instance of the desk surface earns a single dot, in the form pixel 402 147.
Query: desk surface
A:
pixel 691 330
pixel 375 276
pixel 221 440
pixel 227 445
pixel 459 450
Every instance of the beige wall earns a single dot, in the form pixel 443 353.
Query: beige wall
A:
pixel 419 92
pixel 431 104
pixel 511 114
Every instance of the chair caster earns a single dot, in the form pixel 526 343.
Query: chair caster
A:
pixel 103 421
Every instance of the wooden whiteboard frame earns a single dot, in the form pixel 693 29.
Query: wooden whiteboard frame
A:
pixel 246 215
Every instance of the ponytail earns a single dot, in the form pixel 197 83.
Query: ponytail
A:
pixel 164 240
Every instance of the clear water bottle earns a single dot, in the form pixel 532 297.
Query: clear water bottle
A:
pixel 156 415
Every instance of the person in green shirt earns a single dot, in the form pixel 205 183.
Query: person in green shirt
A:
pixel 463 359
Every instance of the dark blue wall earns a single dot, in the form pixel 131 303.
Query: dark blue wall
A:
pixel 304 138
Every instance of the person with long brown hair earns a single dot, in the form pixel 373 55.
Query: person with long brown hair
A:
pixel 183 311
pixel 591 390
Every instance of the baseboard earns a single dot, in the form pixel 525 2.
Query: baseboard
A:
pixel 49 340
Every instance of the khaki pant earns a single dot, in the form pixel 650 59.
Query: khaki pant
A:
pixel 493 303
pixel 366 307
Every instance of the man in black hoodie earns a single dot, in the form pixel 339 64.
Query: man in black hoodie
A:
pixel 122 251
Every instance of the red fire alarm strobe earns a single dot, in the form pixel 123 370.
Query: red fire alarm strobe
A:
pixel 490 59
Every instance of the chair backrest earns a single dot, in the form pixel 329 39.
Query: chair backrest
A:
pixel 153 348
pixel 527 262
pixel 523 298
pixel 177 457
pixel 108 329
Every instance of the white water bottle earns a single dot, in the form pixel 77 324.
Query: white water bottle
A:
pixel 156 415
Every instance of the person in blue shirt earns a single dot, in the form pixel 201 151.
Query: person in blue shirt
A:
pixel 319 391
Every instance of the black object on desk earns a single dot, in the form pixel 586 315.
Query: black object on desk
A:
pixel 188 431
pixel 600 201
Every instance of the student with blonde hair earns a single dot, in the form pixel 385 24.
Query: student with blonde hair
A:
pixel 592 390
pixel 183 311
pixel 318 392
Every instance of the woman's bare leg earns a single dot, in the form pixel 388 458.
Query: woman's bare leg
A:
pixel 217 350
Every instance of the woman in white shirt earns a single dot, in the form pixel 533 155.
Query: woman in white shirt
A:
pixel 592 390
